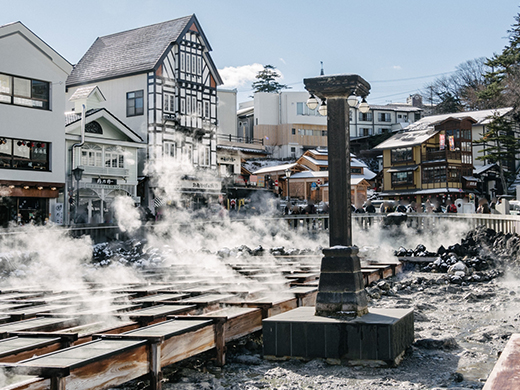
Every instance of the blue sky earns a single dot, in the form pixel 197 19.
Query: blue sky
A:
pixel 396 45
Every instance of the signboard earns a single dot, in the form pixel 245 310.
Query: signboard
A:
pixel 58 213
pixel 451 140
pixel 442 141
pixel 261 181
pixel 104 181
pixel 313 186
pixel 253 180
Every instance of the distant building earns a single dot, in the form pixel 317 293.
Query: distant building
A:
pixel 430 159
pixel 32 142
pixel 161 82
pixel 289 128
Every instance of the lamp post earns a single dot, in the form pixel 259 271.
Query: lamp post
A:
pixel 288 175
pixel 78 174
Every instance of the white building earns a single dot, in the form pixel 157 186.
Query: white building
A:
pixel 107 152
pixel 162 83
pixel 32 142
pixel 289 128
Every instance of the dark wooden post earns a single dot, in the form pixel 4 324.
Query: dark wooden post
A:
pixel 341 289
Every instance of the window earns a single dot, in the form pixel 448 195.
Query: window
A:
pixel 91 155
pixel 188 105
pixel 206 110
pixel 384 117
pixel 188 63
pixel 302 109
pixel 194 105
pixel 188 152
pixel 356 171
pixel 169 102
pixel 204 154
pixel 24 154
pixel 324 133
pixel 135 103
pixel 434 174
pixel 301 132
pixel 199 66
pixel 365 117
pixel 114 157
pixel 402 178
pixel 194 64
pixel 417 116
pixel 183 106
pixel 182 61
pixel 24 92
pixel 293 149
pixel 199 109
pixel 293 131
pixel 365 132
pixel 402 154
pixel 169 149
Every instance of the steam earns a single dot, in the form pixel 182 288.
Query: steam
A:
pixel 126 214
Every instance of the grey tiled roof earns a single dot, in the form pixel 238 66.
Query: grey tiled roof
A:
pixel 127 52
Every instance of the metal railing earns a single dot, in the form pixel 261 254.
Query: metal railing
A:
pixel 244 140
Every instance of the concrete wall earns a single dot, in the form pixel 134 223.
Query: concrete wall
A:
pixel 227 111
pixel 20 55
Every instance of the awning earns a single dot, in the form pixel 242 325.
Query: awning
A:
pixel 407 168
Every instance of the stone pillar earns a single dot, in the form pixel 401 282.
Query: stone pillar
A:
pixel 341 290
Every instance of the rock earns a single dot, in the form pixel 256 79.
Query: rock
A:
pixel 446 344
pixel 458 267
pixel 383 285
pixel 254 360
pixel 373 292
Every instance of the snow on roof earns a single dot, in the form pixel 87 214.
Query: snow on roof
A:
pixel 483 168
pixel 407 138
pixel 481 117
pixel 324 163
pixel 310 175
pixel 275 168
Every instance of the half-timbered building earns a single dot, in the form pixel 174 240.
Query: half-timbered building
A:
pixel 161 81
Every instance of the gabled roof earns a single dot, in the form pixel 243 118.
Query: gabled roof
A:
pixel 91 115
pixel 480 117
pixel 407 138
pixel 275 168
pixel 131 52
pixel 86 92
pixel 37 42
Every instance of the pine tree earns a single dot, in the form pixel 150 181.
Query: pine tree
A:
pixel 500 146
pixel 503 79
pixel 266 81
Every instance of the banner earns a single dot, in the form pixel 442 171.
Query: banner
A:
pixel 442 141
pixel 451 140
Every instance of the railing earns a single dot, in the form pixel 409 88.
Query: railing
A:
pixel 420 221
pixel 441 155
pixel 122 172
pixel 245 140
pixel 309 222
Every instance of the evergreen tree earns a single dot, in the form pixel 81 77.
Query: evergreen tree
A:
pixel 503 79
pixel 500 145
pixel 266 81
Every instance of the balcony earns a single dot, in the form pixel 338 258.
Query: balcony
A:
pixel 102 171
pixel 441 155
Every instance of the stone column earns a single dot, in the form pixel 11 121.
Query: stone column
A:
pixel 341 290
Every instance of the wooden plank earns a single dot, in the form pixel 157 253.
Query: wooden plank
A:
pixel 506 373
pixel 160 298
pixel 15 349
pixel 40 324
pixel 206 299
pixel 27 383
pixel 188 344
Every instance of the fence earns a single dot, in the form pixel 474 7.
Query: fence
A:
pixel 497 222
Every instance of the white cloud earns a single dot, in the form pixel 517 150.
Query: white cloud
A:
pixel 239 76
pixel 397 67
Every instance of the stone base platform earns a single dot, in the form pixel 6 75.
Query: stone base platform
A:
pixel 382 335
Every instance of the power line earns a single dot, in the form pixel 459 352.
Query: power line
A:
pixel 412 78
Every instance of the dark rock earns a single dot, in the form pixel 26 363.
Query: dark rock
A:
pixel 447 344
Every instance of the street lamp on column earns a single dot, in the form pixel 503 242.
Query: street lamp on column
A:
pixel 288 175
pixel 78 174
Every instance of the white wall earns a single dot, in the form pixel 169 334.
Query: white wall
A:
pixel 115 93
pixel 20 57
pixel 227 111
